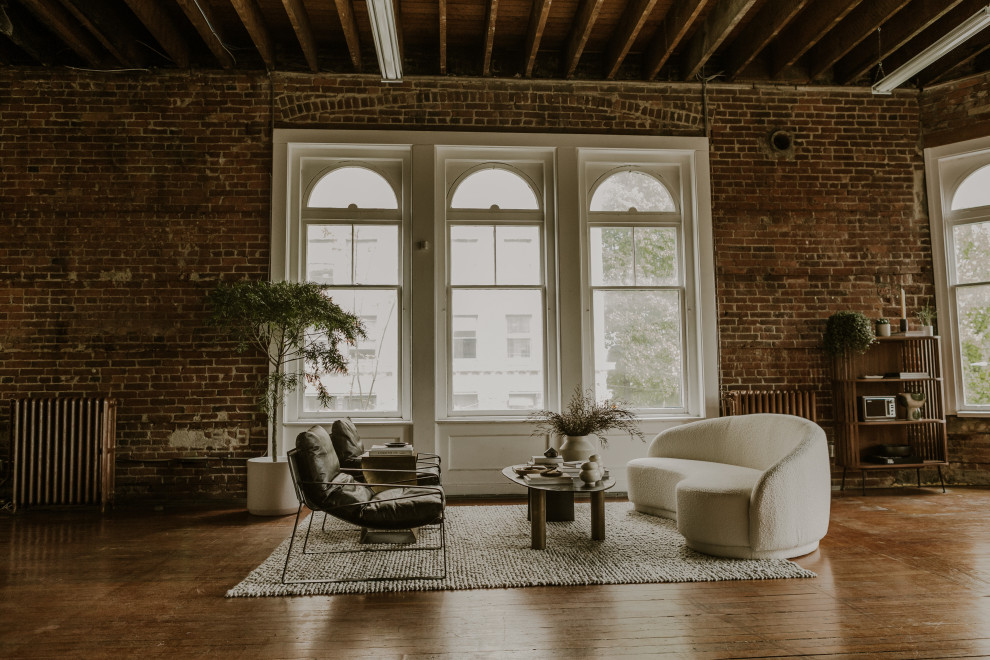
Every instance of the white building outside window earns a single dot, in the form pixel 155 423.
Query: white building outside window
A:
pixel 495 223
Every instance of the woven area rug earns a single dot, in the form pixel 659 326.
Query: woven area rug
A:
pixel 488 547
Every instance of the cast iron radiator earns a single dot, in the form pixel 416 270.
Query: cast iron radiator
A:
pixel 787 402
pixel 63 450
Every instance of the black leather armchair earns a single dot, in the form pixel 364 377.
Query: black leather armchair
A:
pixel 322 486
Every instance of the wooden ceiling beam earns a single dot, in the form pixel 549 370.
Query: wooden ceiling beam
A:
pixel 161 27
pixel 630 24
pixel 806 31
pixel 580 31
pixel 102 22
pixel 349 26
pixel 713 32
pixel 490 16
pixel 534 34
pixel 671 32
pixel 201 17
pixel 894 34
pixel 254 22
pixel 935 31
pixel 66 28
pixel 861 23
pixel 443 37
pixel 304 31
pixel 15 25
pixel 766 26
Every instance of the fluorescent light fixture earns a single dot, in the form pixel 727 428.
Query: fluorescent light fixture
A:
pixel 955 37
pixel 381 13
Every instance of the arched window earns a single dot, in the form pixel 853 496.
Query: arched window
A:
pixel 352 233
pixel 637 291
pixel 352 187
pixel 497 290
pixel 963 288
pixel 494 188
pixel 630 190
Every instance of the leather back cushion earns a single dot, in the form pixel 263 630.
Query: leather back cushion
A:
pixel 315 461
pixel 347 443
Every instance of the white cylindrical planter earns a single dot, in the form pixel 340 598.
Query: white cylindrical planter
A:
pixel 269 487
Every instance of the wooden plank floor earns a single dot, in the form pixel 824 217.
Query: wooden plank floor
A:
pixel 902 574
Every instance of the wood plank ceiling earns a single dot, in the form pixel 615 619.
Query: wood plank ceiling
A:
pixel 827 42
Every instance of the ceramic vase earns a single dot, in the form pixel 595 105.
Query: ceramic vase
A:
pixel 591 473
pixel 913 403
pixel 576 448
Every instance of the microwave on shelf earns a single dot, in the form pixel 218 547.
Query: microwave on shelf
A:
pixel 877 407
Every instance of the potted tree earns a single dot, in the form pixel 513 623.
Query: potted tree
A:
pixel 848 332
pixel 298 328
pixel 584 416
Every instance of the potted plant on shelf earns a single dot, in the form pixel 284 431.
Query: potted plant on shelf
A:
pixel 926 316
pixel 584 416
pixel 883 327
pixel 848 332
pixel 298 328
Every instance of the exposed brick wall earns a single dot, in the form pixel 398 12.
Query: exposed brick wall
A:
pixel 127 196
pixel 124 199
pixel 955 112
pixel 803 233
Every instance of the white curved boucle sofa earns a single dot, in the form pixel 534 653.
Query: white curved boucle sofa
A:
pixel 746 486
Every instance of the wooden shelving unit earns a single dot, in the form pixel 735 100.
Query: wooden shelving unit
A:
pixel 858 440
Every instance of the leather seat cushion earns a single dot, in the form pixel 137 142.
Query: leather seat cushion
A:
pixel 401 508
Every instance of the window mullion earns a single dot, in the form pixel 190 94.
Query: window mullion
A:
pixel 495 254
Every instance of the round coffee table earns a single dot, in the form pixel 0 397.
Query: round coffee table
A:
pixel 538 499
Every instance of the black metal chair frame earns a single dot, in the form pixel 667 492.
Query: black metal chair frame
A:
pixel 297 484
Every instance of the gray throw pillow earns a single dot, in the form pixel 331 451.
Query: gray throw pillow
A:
pixel 345 499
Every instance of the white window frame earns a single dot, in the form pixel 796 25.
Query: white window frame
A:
pixel 536 166
pixel 306 164
pixel 946 168
pixel 474 449
pixel 676 172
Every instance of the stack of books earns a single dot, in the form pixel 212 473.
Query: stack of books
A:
pixel 558 479
pixel 392 449
pixel 546 460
